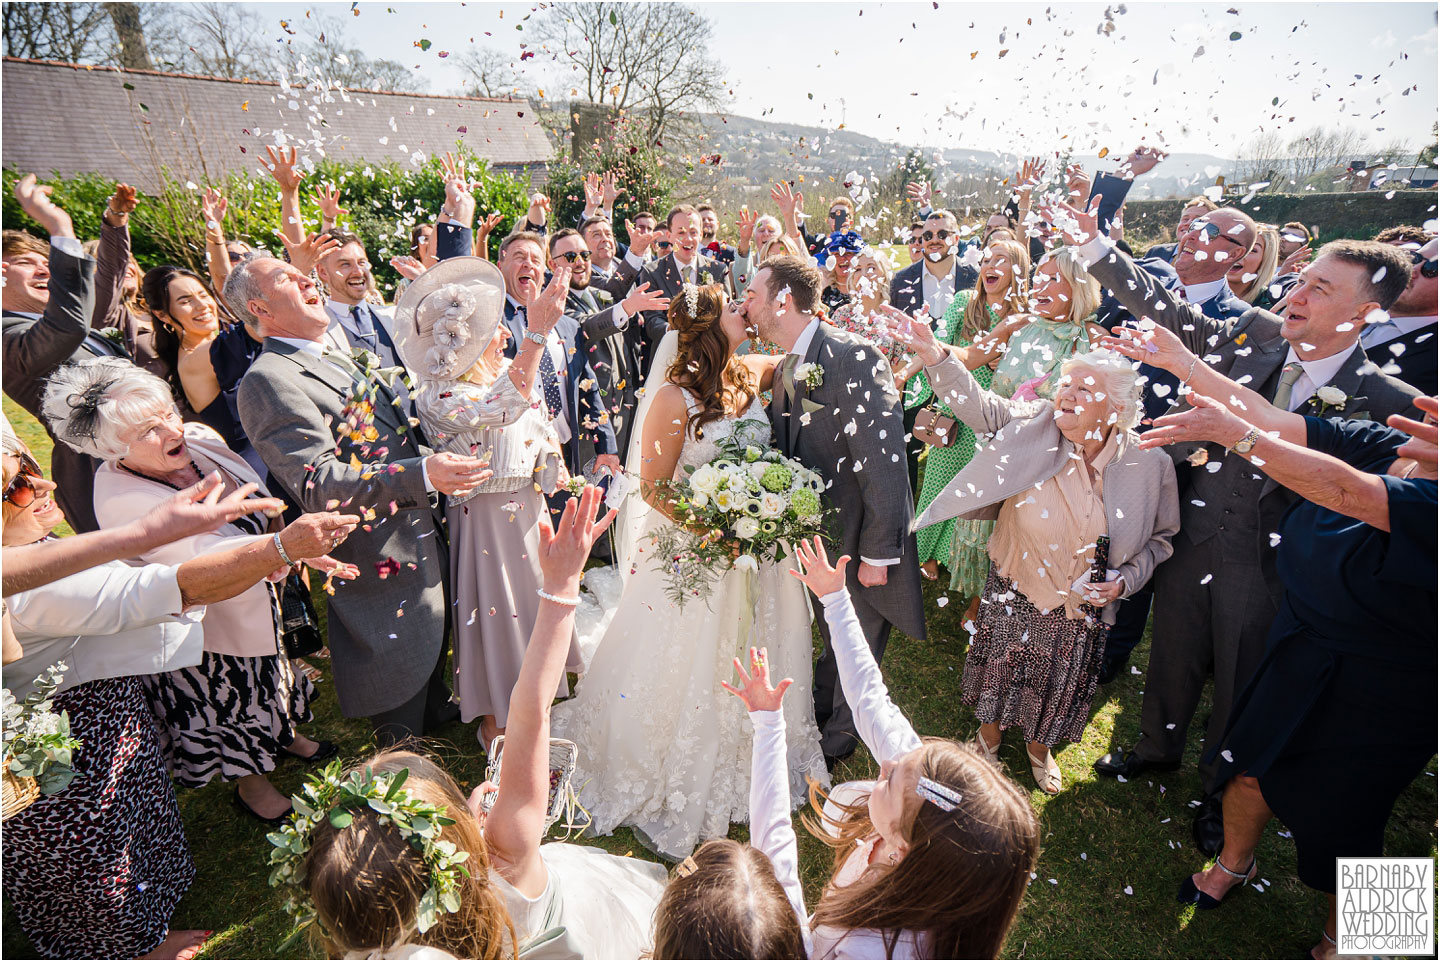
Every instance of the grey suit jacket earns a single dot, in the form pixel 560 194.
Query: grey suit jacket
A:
pixel 1236 502
pixel 851 431
pixel 385 635
pixel 1142 509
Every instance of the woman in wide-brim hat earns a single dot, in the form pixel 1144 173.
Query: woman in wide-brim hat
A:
pixel 474 401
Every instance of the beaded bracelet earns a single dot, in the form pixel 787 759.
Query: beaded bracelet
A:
pixel 568 602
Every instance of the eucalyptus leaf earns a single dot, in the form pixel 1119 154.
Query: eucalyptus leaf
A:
pixel 341 818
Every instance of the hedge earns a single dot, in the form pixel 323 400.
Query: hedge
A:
pixel 385 201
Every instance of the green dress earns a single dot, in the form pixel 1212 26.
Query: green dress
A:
pixel 942 464
pixel 1036 351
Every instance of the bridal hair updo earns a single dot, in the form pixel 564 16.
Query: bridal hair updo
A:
pixel 704 364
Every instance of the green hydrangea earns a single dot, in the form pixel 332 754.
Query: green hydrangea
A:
pixel 776 478
pixel 806 503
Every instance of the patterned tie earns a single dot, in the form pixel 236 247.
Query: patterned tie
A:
pixel 1288 376
pixel 551 383
pixel 787 377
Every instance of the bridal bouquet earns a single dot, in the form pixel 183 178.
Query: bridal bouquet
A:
pixel 749 501
pixel 37 739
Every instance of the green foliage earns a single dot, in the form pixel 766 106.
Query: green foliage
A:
pixel 37 739
pixel 647 175
pixel 385 202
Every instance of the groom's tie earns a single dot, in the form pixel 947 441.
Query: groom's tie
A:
pixel 787 377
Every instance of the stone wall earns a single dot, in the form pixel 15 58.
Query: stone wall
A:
pixel 1361 214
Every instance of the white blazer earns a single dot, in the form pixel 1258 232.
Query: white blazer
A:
pixel 243 625
pixel 108 621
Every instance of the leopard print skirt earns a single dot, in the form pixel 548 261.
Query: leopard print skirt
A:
pixel 94 871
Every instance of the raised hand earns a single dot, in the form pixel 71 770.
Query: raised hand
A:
pixel 456 474
pixel 818 574
pixel 306 254
pixel 640 238
pixel 122 204
pixel 565 549
pixel 459 202
pixel 1157 346
pixel 1422 446
pixel 919 192
pixel 1077 183
pixel 539 211
pixel 594 193
pixel 35 200
pixel 314 535
pixel 784 197
pixel 452 167
pixel 1032 171
pixel 1081 225
pixel 549 305
pixel 1142 160
pixel 213 206
pixel 488 223
pixel 915 334
pixel 611 189
pixel 755 690
pixel 745 224
pixel 1205 420
pixel 407 266
pixel 1297 260
pixel 283 167
pixel 327 197
pixel 642 298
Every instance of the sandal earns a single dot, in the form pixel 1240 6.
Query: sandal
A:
pixel 991 754
pixel 1190 893
pixel 1046 771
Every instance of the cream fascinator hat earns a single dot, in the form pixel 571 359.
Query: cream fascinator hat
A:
pixel 448 315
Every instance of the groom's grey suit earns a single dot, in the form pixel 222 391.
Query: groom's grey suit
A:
pixel 850 430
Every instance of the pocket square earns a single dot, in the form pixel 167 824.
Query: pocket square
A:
pixel 809 406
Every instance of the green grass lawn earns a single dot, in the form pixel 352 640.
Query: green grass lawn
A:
pixel 1113 853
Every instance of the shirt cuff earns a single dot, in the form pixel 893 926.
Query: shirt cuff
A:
pixel 767 719
pixel 634 259
pixel 425 475
pixel 1094 249
pixel 838 595
pixel 68 245
pixel 885 563
pixel 622 317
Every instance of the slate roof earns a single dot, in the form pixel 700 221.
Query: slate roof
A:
pixel 65 119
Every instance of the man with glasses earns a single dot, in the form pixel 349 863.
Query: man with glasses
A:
pixel 613 340
pixel 1405 341
pixel 1217 595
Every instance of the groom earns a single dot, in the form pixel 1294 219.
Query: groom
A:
pixel 844 420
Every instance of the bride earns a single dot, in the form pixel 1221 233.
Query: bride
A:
pixel 663 748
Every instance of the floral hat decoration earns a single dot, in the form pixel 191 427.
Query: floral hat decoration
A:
pixel 448 315
pixel 333 796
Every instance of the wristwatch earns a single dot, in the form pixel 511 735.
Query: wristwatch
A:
pixel 1244 445
pixel 535 336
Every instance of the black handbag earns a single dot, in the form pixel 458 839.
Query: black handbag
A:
pixel 299 625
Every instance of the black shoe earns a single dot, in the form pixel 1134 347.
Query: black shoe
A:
pixel 323 751
pixel 1209 827
pixel 1190 894
pixel 1110 668
pixel 439 718
pixel 1129 765
pixel 277 820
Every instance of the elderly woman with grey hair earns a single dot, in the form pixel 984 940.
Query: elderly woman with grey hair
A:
pixel 238 711
pixel 1082 517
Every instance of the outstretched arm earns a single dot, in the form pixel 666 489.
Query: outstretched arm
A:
pixel 881 725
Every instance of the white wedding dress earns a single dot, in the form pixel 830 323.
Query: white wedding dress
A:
pixel 663 748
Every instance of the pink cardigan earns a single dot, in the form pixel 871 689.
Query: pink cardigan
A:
pixel 242 626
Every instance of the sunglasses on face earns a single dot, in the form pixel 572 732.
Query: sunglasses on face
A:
pixel 235 256
pixel 941 234
pixel 1427 268
pixel 662 245
pixel 1212 231
pixel 21 490
pixel 573 256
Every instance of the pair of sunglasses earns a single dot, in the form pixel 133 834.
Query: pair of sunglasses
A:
pixel 942 234
pixel 1428 268
pixel 573 256
pixel 21 490
pixel 662 245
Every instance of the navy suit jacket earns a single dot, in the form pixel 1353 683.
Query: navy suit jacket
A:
pixel 907 291
pixel 581 389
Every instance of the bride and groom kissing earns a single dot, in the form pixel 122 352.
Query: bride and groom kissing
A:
pixel 662 747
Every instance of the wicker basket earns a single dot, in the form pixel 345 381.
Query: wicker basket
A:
pixel 19 793
pixel 563 802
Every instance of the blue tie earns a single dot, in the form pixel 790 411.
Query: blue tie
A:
pixel 550 382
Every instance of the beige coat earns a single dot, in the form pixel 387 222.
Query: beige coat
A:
pixel 1142 510
pixel 243 625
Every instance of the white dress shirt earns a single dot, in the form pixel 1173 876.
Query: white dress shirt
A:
pixel 556 349
pixel 1198 294
pixel 799 349
pixel 317 349
pixel 938 291
pixel 1317 374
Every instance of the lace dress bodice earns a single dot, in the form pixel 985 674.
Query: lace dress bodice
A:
pixel 752 427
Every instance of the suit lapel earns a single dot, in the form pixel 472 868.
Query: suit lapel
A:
pixel 812 355
pixel 318 368
pixel 1262 360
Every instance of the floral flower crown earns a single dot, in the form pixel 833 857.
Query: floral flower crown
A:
pixel 332 796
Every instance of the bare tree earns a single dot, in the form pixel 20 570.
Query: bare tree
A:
pixel 650 59
pixel 224 40
pixel 491 73
pixel 1261 159
pixel 349 66
pixel 70 32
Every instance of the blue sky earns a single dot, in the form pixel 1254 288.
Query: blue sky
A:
pixel 1167 72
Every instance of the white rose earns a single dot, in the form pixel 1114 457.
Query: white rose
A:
pixel 771 505
pixel 746 528
pixel 705 479
pixel 699 499
pixel 1331 395
pixel 724 500
pixel 746 563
